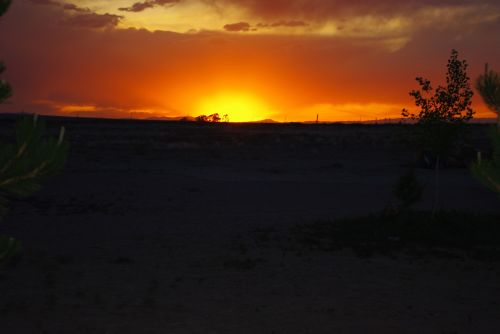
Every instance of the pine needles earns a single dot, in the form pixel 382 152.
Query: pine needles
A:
pixel 24 165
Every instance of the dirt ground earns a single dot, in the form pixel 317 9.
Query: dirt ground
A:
pixel 151 228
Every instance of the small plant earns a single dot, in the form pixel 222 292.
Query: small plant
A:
pixel 443 112
pixel 9 247
pixel 408 190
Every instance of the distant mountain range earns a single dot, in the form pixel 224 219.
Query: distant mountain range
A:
pixel 269 120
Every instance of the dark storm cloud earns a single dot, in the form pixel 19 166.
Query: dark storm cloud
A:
pixel 45 2
pixel 82 17
pixel 70 6
pixel 235 27
pixel 93 20
pixel 140 6
pixel 63 5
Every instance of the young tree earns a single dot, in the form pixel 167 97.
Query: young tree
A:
pixel 488 85
pixel 443 112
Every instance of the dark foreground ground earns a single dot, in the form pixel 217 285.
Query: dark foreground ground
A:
pixel 158 228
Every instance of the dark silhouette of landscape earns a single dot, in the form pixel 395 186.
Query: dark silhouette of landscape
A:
pixel 180 227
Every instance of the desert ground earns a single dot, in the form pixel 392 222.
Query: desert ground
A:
pixel 164 227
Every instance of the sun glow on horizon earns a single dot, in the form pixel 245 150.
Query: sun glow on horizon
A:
pixel 240 107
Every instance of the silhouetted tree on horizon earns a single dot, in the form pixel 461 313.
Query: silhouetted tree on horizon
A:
pixel 214 118
pixel 443 112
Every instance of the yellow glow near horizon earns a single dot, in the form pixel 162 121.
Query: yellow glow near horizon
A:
pixel 239 107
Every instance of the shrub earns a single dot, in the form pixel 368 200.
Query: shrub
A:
pixel 408 190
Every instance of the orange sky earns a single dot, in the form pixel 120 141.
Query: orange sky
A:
pixel 253 59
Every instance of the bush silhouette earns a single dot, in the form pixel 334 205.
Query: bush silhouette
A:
pixel 408 190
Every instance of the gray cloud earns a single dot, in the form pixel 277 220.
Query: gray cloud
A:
pixel 140 6
pixel 70 6
pixel 93 20
pixel 82 17
pixel 63 5
pixel 240 26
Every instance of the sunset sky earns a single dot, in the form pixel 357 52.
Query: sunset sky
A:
pixel 288 60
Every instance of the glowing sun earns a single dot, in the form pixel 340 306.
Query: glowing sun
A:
pixel 239 107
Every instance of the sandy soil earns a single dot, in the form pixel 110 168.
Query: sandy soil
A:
pixel 151 228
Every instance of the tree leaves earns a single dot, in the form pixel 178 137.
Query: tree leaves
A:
pixel 444 108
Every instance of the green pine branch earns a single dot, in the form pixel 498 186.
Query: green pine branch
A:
pixel 488 85
pixel 24 165
pixel 32 159
pixel 4 5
